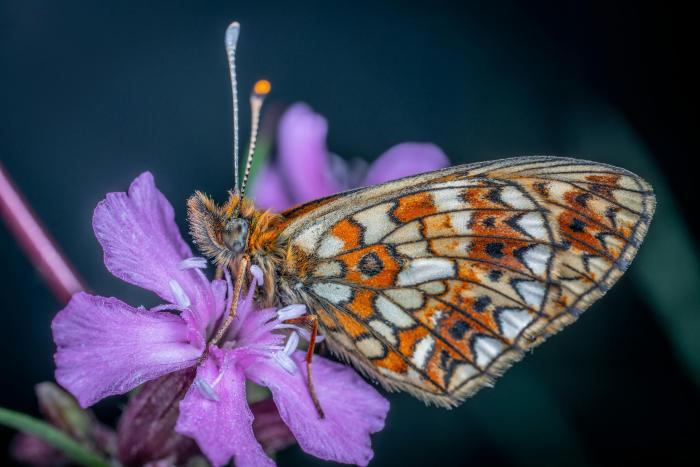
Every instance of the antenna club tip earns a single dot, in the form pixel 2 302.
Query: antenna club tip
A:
pixel 232 33
pixel 262 87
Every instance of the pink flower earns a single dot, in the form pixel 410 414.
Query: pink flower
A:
pixel 305 170
pixel 106 347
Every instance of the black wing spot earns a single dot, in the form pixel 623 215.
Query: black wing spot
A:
pixel 370 264
pixel 495 196
pixel 582 199
pixel 459 329
pixel 611 214
pixel 489 222
pixel 495 275
pixel 577 225
pixel 495 249
pixel 481 303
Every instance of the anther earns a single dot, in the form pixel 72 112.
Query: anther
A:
pixel 257 273
pixel 180 296
pixel 196 262
pixel 291 312
pixel 206 390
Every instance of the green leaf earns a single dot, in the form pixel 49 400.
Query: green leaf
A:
pixel 52 436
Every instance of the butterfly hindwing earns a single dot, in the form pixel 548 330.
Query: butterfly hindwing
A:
pixel 435 284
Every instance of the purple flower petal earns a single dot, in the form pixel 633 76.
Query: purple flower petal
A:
pixel 143 246
pixel 353 408
pixel 269 190
pixel 303 157
pixel 404 160
pixel 215 413
pixel 106 347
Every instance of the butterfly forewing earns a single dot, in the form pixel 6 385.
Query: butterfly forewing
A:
pixel 435 284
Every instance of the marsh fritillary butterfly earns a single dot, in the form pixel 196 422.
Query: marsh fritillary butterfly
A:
pixel 435 284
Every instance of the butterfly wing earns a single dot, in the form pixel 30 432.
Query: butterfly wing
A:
pixel 437 283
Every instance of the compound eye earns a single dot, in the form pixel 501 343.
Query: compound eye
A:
pixel 236 234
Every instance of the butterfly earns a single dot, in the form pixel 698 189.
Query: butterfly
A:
pixel 435 284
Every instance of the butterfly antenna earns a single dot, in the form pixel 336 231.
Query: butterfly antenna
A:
pixel 232 33
pixel 260 90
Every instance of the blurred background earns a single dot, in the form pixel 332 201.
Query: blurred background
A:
pixel 94 93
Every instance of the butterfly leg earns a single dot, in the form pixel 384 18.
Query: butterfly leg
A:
pixel 238 286
pixel 312 321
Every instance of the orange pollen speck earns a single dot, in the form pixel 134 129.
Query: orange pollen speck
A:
pixel 262 87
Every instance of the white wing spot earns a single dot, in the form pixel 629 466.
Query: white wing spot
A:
pixel 309 238
pixel 384 330
pixel 371 347
pixel 407 233
pixel 514 320
pixel 409 299
pixel 460 222
pixel 330 246
pixel 533 225
pixel 393 314
pixel 536 258
pixel 422 351
pixel 414 250
pixel 426 269
pixel 515 198
pixel 448 200
pixel 376 222
pixel 328 269
pixel 486 349
pixel 334 293
pixel 531 292
pixel 433 288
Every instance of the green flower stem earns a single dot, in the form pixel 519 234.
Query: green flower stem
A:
pixel 52 436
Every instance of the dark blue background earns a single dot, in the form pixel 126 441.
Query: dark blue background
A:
pixel 93 94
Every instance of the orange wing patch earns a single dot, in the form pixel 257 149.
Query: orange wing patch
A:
pixel 414 206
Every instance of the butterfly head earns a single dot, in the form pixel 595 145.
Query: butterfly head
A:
pixel 220 232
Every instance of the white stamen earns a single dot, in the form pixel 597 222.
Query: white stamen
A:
pixel 292 343
pixel 304 333
pixel 180 296
pixel 222 370
pixel 206 390
pixel 282 357
pixel 283 360
pixel 257 274
pixel 194 262
pixel 291 312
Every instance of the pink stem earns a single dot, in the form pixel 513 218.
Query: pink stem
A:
pixel 36 242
